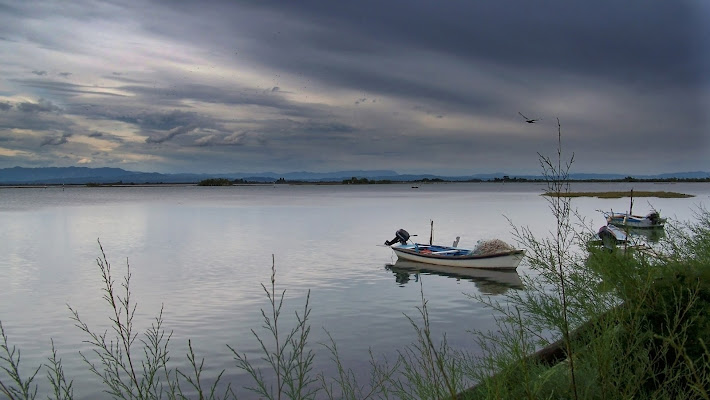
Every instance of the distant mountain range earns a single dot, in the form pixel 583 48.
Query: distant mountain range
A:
pixel 84 175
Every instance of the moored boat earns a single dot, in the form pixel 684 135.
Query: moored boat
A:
pixel 609 237
pixel 499 256
pixel 652 220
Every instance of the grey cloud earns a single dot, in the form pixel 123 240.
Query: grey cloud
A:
pixel 40 73
pixel 65 74
pixel 165 120
pixel 160 138
pixel 38 121
pixel 5 105
pixel 284 133
pixel 55 140
pixel 118 77
pixel 64 87
pixel 41 106
pixel 235 139
pixel 107 136
pixel 231 139
pixel 223 95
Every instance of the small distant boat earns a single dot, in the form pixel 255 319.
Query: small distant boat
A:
pixel 610 237
pixel 500 258
pixel 652 220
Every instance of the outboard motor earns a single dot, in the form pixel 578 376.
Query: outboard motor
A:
pixel 401 236
pixel 654 217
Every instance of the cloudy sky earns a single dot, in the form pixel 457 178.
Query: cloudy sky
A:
pixel 416 86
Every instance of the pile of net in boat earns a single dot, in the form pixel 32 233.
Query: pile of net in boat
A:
pixel 493 246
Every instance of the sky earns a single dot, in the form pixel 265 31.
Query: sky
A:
pixel 415 86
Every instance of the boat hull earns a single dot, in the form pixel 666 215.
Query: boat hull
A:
pixel 508 260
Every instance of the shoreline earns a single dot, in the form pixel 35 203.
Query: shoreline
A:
pixel 12 185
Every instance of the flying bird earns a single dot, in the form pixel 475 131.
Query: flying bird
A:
pixel 529 120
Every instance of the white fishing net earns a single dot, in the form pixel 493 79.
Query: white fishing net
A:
pixel 493 246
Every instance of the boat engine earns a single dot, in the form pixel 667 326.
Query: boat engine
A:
pixel 401 236
pixel 654 217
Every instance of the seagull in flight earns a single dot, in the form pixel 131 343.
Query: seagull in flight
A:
pixel 529 120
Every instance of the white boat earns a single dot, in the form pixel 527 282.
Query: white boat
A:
pixel 610 237
pixel 652 220
pixel 453 256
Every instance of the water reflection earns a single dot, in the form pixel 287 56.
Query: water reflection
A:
pixel 488 281
pixel 653 235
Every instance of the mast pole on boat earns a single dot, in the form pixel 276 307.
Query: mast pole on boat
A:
pixel 431 233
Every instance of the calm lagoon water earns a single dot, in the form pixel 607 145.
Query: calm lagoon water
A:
pixel 203 252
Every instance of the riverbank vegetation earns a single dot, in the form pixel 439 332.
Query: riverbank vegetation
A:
pixel 623 324
pixel 611 325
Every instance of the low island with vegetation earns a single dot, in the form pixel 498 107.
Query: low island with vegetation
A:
pixel 621 194
pixel 215 182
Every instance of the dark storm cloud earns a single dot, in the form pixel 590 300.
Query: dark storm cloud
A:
pixel 446 55
pixel 620 40
pixel 5 105
pixel 617 40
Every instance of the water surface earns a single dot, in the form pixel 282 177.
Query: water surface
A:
pixel 202 254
